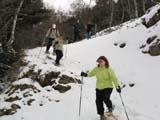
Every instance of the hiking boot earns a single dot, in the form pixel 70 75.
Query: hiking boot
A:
pixel 47 52
pixel 110 110
pixel 57 64
pixel 102 117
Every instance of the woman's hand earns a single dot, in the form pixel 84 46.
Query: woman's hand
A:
pixel 118 89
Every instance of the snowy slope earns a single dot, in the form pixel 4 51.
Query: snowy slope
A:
pixel 129 63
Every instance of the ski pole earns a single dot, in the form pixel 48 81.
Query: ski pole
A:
pixel 124 106
pixel 66 52
pixel 41 48
pixel 40 52
pixel 80 101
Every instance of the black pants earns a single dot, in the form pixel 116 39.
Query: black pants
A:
pixel 103 96
pixel 59 55
pixel 49 43
pixel 77 36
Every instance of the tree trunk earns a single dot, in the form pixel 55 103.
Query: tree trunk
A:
pixel 112 13
pixel 12 37
pixel 144 6
pixel 90 2
pixel 122 4
pixel 136 8
pixel 129 9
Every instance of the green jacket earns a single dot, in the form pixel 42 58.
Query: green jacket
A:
pixel 105 77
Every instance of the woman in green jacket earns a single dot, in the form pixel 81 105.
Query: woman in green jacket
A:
pixel 104 85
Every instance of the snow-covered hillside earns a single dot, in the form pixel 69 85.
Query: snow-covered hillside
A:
pixel 138 73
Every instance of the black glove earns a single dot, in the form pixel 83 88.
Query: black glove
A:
pixel 118 89
pixel 54 50
pixel 83 74
pixel 56 42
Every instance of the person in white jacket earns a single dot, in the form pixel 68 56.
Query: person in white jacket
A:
pixel 51 35
pixel 58 49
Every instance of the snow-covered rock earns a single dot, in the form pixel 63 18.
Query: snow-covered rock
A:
pixel 152 16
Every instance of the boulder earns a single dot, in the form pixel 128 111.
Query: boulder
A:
pixel 122 45
pixel 15 106
pixel 11 111
pixel 29 102
pixel 64 79
pixel 43 80
pixel 151 39
pixel 31 73
pixel 131 84
pixel 152 21
pixel 115 44
pixel 49 79
pixel 142 46
pixel 61 88
pixel 154 49
pixel 52 75
pixel 27 94
pixel 12 99
pixel 15 88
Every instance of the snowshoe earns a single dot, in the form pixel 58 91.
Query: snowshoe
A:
pixel 110 110
pixel 103 117
pixel 111 116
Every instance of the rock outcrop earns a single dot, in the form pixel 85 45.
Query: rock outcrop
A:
pixel 9 111
pixel 153 44
pixel 154 49
pixel 149 22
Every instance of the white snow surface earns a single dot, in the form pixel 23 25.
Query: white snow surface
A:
pixel 23 81
pixel 129 63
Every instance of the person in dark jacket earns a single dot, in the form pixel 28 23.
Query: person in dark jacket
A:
pixel 89 30
pixel 106 78
pixel 77 30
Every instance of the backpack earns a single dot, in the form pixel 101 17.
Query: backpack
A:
pixel 51 29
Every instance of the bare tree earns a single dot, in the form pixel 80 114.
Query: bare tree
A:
pixel 136 8
pixel 12 37
pixel 112 13
pixel 123 9
pixel 129 9
pixel 144 6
